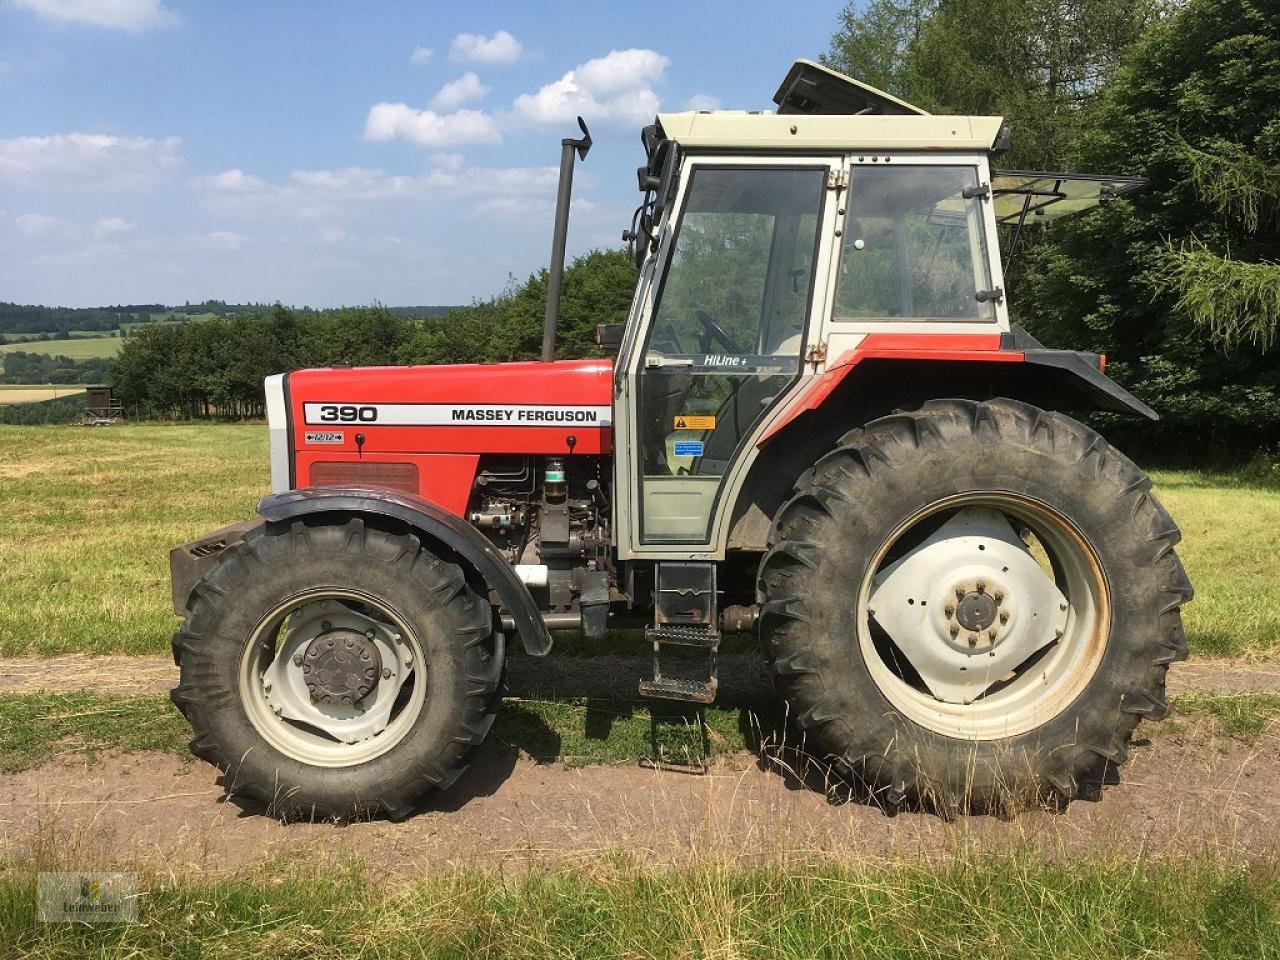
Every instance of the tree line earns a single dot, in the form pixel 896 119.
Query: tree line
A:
pixel 1179 284
pixel 215 367
pixel 21 366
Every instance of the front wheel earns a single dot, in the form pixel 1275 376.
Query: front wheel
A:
pixel 331 669
pixel 973 604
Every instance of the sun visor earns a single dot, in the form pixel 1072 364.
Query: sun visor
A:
pixel 814 89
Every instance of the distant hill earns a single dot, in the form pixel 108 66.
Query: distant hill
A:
pixel 18 318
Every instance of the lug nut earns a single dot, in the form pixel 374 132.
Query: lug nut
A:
pixel 954 630
pixel 982 586
pixel 386 673
pixel 959 593
pixel 973 639
pixel 297 659
pixel 999 596
pixel 950 610
pixel 369 634
pixel 1004 618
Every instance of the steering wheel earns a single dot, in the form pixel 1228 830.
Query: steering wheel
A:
pixel 711 330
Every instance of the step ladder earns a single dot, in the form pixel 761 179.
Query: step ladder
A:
pixel 685 615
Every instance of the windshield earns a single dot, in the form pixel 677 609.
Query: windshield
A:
pixel 914 246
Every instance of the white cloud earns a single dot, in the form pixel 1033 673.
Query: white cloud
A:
pixel 237 181
pixel 224 240
pixel 501 48
pixel 124 14
pixel 420 55
pixel 703 101
pixel 34 224
pixel 331 233
pixel 330 195
pixel 112 226
pixel 399 121
pixel 90 160
pixel 454 94
pixel 615 88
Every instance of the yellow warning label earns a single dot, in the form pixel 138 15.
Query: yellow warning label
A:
pixel 685 421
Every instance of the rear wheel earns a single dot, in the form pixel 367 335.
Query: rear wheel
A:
pixel 973 604
pixel 337 670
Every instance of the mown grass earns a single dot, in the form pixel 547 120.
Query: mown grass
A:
pixel 91 514
pixel 76 348
pixel 89 517
pixel 1010 906
pixel 38 727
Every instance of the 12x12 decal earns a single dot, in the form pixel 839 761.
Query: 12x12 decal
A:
pixel 458 414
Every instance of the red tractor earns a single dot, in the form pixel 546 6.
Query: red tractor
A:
pixel 820 428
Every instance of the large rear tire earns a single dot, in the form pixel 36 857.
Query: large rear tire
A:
pixel 1055 596
pixel 334 670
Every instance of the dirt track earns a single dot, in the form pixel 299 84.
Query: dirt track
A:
pixel 743 679
pixel 1182 794
pixel 1185 790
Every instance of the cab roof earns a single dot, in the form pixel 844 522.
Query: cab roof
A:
pixel 822 110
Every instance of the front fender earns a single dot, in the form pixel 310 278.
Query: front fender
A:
pixel 435 524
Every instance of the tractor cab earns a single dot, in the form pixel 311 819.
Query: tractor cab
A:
pixel 770 246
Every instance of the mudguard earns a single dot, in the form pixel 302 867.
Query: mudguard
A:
pixel 433 523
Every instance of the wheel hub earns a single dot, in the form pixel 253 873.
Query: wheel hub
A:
pixel 341 666
pixel 949 605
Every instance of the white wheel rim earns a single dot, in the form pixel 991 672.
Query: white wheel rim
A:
pixel 277 702
pixel 1031 666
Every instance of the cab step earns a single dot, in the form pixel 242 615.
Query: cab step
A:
pixel 669 688
pixel 684 616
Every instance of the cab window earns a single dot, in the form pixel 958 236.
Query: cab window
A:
pixel 914 246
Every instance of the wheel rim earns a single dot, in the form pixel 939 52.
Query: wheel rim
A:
pixel 984 615
pixel 305 678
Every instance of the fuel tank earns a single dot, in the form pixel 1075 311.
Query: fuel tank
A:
pixel 423 429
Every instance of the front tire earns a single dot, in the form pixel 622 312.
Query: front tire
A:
pixel 336 670
pixel 973 704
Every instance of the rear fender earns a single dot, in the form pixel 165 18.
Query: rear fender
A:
pixel 888 372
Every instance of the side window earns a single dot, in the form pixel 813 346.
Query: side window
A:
pixel 914 246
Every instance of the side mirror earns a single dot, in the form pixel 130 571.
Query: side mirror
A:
pixel 609 336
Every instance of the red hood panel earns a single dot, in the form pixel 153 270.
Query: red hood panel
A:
pixel 465 408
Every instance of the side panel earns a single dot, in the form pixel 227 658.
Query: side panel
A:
pixel 443 478
pixel 421 430
pixel 474 408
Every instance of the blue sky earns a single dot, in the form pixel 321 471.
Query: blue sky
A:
pixel 326 153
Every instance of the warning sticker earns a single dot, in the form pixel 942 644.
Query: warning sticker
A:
pixel 324 436
pixel 688 448
pixel 689 421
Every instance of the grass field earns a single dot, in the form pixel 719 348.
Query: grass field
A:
pixel 77 348
pixel 38 727
pixel 90 516
pixel 36 392
pixel 998 906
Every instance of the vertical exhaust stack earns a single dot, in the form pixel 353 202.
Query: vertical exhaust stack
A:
pixel 556 271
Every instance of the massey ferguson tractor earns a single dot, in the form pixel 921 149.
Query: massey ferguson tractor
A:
pixel 820 428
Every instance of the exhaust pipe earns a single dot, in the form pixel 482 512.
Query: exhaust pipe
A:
pixel 556 272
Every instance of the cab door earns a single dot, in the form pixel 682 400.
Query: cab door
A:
pixel 722 338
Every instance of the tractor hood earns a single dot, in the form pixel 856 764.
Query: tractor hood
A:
pixel 517 408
